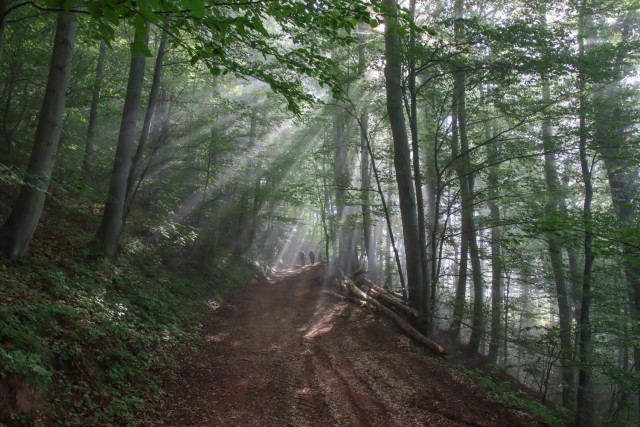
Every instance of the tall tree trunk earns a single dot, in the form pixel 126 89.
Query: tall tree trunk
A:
pixel 402 157
pixel 135 172
pixel 17 231
pixel 425 304
pixel 342 179
pixel 390 238
pixel 463 260
pixel 622 174
pixel 108 234
pixel 365 173
pixel 247 218
pixel 466 193
pixel 365 179
pixel 584 407
pixel 554 207
pixel 497 268
pixel 433 212
pixel 93 112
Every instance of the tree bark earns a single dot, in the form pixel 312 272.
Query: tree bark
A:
pixel 463 261
pixel 108 234
pixel 497 268
pixel 584 407
pixel 622 175
pixel 93 112
pixel 466 193
pixel 146 124
pixel 425 304
pixel 402 157
pixel 17 231
pixel 365 183
pixel 553 208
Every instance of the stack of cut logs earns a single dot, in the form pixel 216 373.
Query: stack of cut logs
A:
pixel 360 290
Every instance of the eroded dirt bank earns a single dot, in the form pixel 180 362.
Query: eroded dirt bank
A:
pixel 284 354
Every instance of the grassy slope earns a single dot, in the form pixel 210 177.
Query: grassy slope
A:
pixel 85 342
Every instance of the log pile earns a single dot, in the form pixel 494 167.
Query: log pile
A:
pixel 364 293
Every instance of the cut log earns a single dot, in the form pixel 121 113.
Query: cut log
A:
pixel 388 299
pixel 404 325
pixel 349 297
pixel 335 295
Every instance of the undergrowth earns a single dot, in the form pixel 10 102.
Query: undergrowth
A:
pixel 504 393
pixel 89 342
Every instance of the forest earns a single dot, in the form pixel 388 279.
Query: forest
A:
pixel 479 158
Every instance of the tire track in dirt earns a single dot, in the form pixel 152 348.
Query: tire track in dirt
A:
pixel 284 354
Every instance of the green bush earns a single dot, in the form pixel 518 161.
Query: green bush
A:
pixel 98 339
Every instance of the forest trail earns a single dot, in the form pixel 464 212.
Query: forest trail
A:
pixel 284 354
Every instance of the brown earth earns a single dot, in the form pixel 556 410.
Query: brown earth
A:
pixel 285 354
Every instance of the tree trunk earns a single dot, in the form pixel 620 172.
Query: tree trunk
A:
pixel 108 234
pixel 497 268
pixel 342 180
pixel 146 124
pixel 17 231
pixel 365 179
pixel 553 207
pixel 463 260
pixel 425 304
pixel 466 193
pixel 247 218
pixel 402 157
pixel 622 175
pixel 93 112
pixel 433 212
pixel 584 407
pixel 402 324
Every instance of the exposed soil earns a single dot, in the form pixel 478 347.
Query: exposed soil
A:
pixel 284 354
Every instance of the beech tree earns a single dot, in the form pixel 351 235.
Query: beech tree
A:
pixel 18 229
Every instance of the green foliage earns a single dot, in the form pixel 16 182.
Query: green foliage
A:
pixel 97 339
pixel 503 393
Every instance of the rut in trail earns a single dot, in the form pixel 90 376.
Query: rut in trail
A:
pixel 284 354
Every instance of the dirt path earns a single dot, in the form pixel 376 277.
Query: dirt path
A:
pixel 284 354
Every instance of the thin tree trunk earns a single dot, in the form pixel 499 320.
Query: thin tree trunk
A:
pixel 17 231
pixel 497 269
pixel 402 157
pixel 463 260
pixel 93 112
pixel 466 194
pixel 554 205
pixel 108 234
pixel 425 304
pixel 146 124
pixel 365 178
pixel 584 407
pixel 387 217
pixel 246 219
pixel 433 212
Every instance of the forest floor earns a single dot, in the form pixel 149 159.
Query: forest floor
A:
pixel 282 353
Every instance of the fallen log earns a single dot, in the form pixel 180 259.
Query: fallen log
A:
pixel 349 297
pixel 405 326
pixel 381 295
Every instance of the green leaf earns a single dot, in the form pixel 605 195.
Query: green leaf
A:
pixel 197 8
pixel 148 13
pixel 111 14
